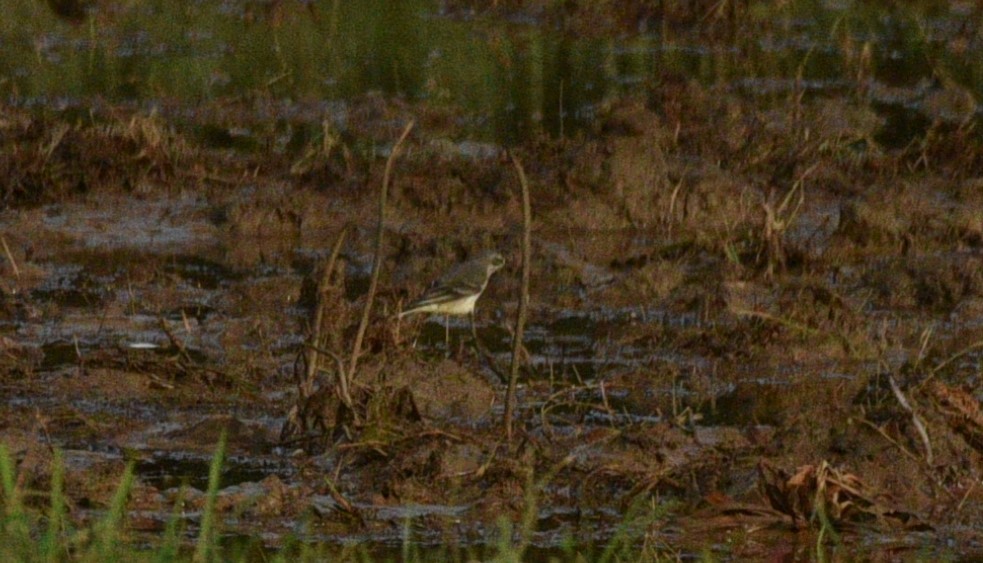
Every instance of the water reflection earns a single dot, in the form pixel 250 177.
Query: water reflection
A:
pixel 511 77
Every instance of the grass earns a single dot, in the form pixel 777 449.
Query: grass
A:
pixel 30 534
pixel 104 539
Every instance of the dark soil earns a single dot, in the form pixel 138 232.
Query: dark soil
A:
pixel 740 318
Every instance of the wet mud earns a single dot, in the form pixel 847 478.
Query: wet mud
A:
pixel 747 324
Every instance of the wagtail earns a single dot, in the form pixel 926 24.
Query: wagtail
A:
pixel 456 292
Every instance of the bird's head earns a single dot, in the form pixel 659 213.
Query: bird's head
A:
pixel 494 262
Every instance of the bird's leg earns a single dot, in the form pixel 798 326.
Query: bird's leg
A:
pixel 447 335
pixel 474 329
pixel 478 348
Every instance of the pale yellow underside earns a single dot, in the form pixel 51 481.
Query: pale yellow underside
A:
pixel 462 306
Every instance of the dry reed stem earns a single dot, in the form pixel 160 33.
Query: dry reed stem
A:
pixel 10 256
pixel 175 342
pixel 343 502
pixel 307 386
pixel 915 419
pixel 377 262
pixel 520 319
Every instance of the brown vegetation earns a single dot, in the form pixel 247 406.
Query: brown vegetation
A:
pixel 738 290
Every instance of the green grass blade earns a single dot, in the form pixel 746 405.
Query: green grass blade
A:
pixel 107 530
pixel 15 534
pixel 8 477
pixel 171 543
pixel 207 546
pixel 51 546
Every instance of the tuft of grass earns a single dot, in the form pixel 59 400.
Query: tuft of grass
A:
pixel 25 536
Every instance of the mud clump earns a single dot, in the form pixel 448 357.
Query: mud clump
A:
pixel 55 160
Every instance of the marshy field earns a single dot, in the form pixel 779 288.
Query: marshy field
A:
pixel 741 316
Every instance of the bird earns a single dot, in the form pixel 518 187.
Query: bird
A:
pixel 457 291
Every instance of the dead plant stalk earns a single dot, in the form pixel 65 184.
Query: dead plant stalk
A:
pixel 520 319
pixel 377 261
pixel 307 386
pixel 10 256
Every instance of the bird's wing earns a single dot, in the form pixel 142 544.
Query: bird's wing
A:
pixel 443 294
pixel 463 281
pixel 470 277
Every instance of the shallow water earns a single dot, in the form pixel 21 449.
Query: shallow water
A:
pixel 512 78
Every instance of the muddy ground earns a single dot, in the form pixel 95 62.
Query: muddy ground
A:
pixel 737 315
